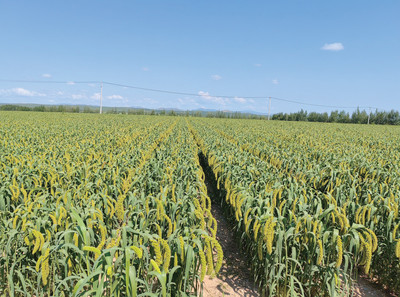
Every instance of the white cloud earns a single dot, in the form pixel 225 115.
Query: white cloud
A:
pixel 240 100
pixel 146 69
pixel 46 75
pixel 188 102
pixel 208 97
pixel 78 96
pixel 95 96
pixel 336 46
pixel 118 97
pixel 257 65
pixel 70 83
pixel 21 92
pixel 216 77
pixel 205 95
pixel 275 81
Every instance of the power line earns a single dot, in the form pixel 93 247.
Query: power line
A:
pixel 185 93
pixel 226 96
pixel 321 105
pixel 182 93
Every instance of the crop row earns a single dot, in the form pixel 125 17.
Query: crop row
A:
pixel 93 206
pixel 356 169
pixel 302 237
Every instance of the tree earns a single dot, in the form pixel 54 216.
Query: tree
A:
pixel 393 117
pixel 313 117
pixel 334 117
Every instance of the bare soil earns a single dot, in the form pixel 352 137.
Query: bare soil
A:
pixel 234 278
pixel 365 287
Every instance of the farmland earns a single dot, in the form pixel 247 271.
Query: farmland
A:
pixel 117 205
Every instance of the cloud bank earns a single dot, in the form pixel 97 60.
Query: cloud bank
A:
pixel 336 46
pixel 21 92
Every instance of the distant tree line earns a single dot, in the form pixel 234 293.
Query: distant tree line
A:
pixel 357 117
pixel 43 108
pixel 133 111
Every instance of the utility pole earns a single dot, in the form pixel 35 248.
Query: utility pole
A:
pixel 101 98
pixel 269 109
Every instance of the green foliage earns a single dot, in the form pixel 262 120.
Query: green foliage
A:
pixel 312 203
pixel 100 205
pixel 357 117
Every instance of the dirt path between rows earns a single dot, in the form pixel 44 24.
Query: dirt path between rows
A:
pixel 363 288
pixel 234 278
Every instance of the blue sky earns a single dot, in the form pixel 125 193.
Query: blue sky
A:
pixel 344 53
